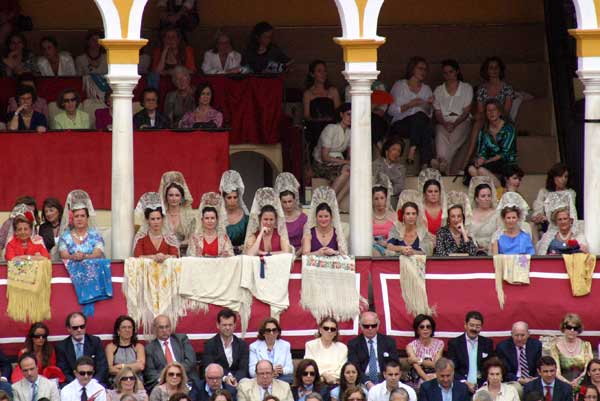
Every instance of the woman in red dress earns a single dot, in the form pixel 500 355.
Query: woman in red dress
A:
pixel 211 237
pixel 22 246
pixel 152 239
pixel 37 343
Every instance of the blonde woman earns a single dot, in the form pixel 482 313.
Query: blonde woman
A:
pixel 570 352
pixel 127 383
pixel 172 380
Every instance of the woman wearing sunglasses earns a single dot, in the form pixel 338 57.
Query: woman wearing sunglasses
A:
pixel 71 116
pixel 307 381
pixel 424 351
pixel 271 347
pixel 172 380
pixel 570 352
pixel 127 383
pixel 37 343
pixel 329 353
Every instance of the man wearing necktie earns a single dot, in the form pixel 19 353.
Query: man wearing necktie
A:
pixel 520 354
pixel 547 384
pixel 84 387
pixel 264 384
pixel 33 386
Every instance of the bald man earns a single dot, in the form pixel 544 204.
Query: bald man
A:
pixel 263 384
pixel 371 350
pixel 520 368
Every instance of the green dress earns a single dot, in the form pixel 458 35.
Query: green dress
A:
pixel 237 232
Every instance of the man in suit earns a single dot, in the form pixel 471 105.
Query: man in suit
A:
pixel 213 381
pixel 33 386
pixel 78 344
pixel 264 384
pixel 371 350
pixel 444 386
pixel 227 350
pixel 547 382
pixel 382 391
pixel 168 347
pixel 470 350
pixel 520 354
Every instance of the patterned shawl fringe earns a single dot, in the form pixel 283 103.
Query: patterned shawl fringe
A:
pixel 580 267
pixel 28 290
pixel 514 269
pixel 412 282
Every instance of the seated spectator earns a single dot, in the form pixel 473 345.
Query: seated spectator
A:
pixel 434 199
pixel 204 116
pixel 181 14
pixel 264 385
pixel 380 123
pixel 262 55
pixel 492 72
pixel 307 381
pixel 269 345
pixel 329 353
pixel 150 117
pixel 52 62
pixel 287 186
pixel 127 383
pixel 23 246
pixel 77 345
pixel 266 233
pixel 570 352
pixel 496 144
pixel 513 177
pixel 103 116
pixel 49 230
pixel 557 180
pixel 589 392
pixel 232 189
pixel 483 222
pixel 40 105
pixel 520 354
pixel 383 217
pixel 564 236
pixel 38 347
pixel 329 160
pixel 399 394
pixel 389 164
pixel 177 199
pixel 445 385
pixel 352 393
pixel 25 118
pixel 93 59
pixel 16 59
pixel 222 59
pixel 80 241
pixel 32 385
pixel 424 351
pixel 210 239
pixel 225 342
pixel 71 116
pixel 124 352
pixel 164 351
pixel 350 376
pixel 592 373
pixel 212 387
pixel 547 382
pixel 173 380
pixel 324 235
pixel 22 204
pixel 181 100
pixel 174 52
pixel 494 372
pixel 84 383
pixel 512 240
pixel 453 238
pixel 452 107
pixel 320 101
pixel 411 111
pixel 153 239
pixel 382 391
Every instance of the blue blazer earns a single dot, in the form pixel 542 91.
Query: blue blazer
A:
pixel 430 391
pixel 561 391
pixel 508 354
pixel 282 356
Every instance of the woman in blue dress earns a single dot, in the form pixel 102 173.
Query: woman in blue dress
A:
pixel 512 238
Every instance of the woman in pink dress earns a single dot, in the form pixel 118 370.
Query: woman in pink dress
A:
pixel 424 351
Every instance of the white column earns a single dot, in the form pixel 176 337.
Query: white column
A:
pixel 123 79
pixel 591 80
pixel 361 220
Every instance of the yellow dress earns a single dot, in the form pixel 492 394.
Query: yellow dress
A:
pixel 570 367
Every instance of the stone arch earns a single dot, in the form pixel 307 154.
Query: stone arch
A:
pixel 588 13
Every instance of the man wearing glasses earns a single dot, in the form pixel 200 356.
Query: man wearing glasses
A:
pixel 79 344
pixel 263 385
pixel 371 350
pixel 85 388
pixel 213 381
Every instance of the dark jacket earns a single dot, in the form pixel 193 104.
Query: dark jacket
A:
pixel 5 366
pixel 140 118
pixel 203 394
pixel 561 391
pixel 214 353
pixel 47 233
pixel 457 351
pixel 507 352
pixel 358 353
pixel 322 390
pixel 156 361
pixel 430 391
pixel 92 347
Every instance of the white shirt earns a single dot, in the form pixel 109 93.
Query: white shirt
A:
pixel 72 391
pixel 66 66
pixel 452 106
pixel 507 392
pixel 336 139
pixel 228 351
pixel 329 360
pixel 212 62
pixel 162 345
pixel 374 339
pixel 262 391
pixel 380 392
pixel 402 95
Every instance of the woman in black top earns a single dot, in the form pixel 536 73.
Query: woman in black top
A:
pixel 52 212
pixel 262 56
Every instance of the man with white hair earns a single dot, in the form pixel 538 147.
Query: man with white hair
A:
pixel 520 354
pixel 213 381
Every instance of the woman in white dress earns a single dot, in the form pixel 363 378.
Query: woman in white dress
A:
pixel 483 223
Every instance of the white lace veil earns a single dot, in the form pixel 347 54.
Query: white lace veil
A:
pixel 462 199
pixel 174 177
pixel 397 232
pixel 231 180
pixel 327 195
pixel 511 199
pixel 382 180
pixel 555 202
pixel 433 174
pixel 287 182
pixel 152 201
pixel 475 182
pixel 262 197
pixel 76 200
pixel 21 209
pixel 213 199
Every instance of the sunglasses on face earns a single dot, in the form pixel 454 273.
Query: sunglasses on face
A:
pixel 69 99
pixel 307 373
pixel 85 373
pixel 272 331
pixel 331 329
pixel 128 378
pixel 80 327
pixel 425 326
pixel 569 327
pixel 370 326
pixel 173 374
pixel 39 336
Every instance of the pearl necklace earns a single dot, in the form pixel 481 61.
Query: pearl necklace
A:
pixel 81 237
pixel 380 217
pixel 564 238
pixel 571 351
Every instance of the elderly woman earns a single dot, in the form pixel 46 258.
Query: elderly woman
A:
pixel 25 118
pixel 153 240
pixel 564 236
pixel 93 59
pixel 150 117
pixel 287 186
pixel 22 205
pixel 389 165
pixel 173 380
pixel 124 352
pixel 181 100
pixel 267 232
pixel 483 223
pixel 262 55
pixel 570 352
pixel 307 380
pixel 557 180
pixel 512 240
pixel 211 237
pixel 54 63
pixel 39 104
pixel 222 59
pixel 350 376
pixel 329 353
pixel 127 384
pixel 383 215
pixel 173 52
pixel 411 111
pixel 424 351
pixel 454 238
pixel 329 160
pixel 204 115
pixel 71 117
pixel 37 344
pixel 409 236
pixel 494 372
pixel 232 189
pixel 324 236
pixel 270 346
pixel 22 246
pixel 16 58
pixel 177 199
pixel 496 144
pixel 452 105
